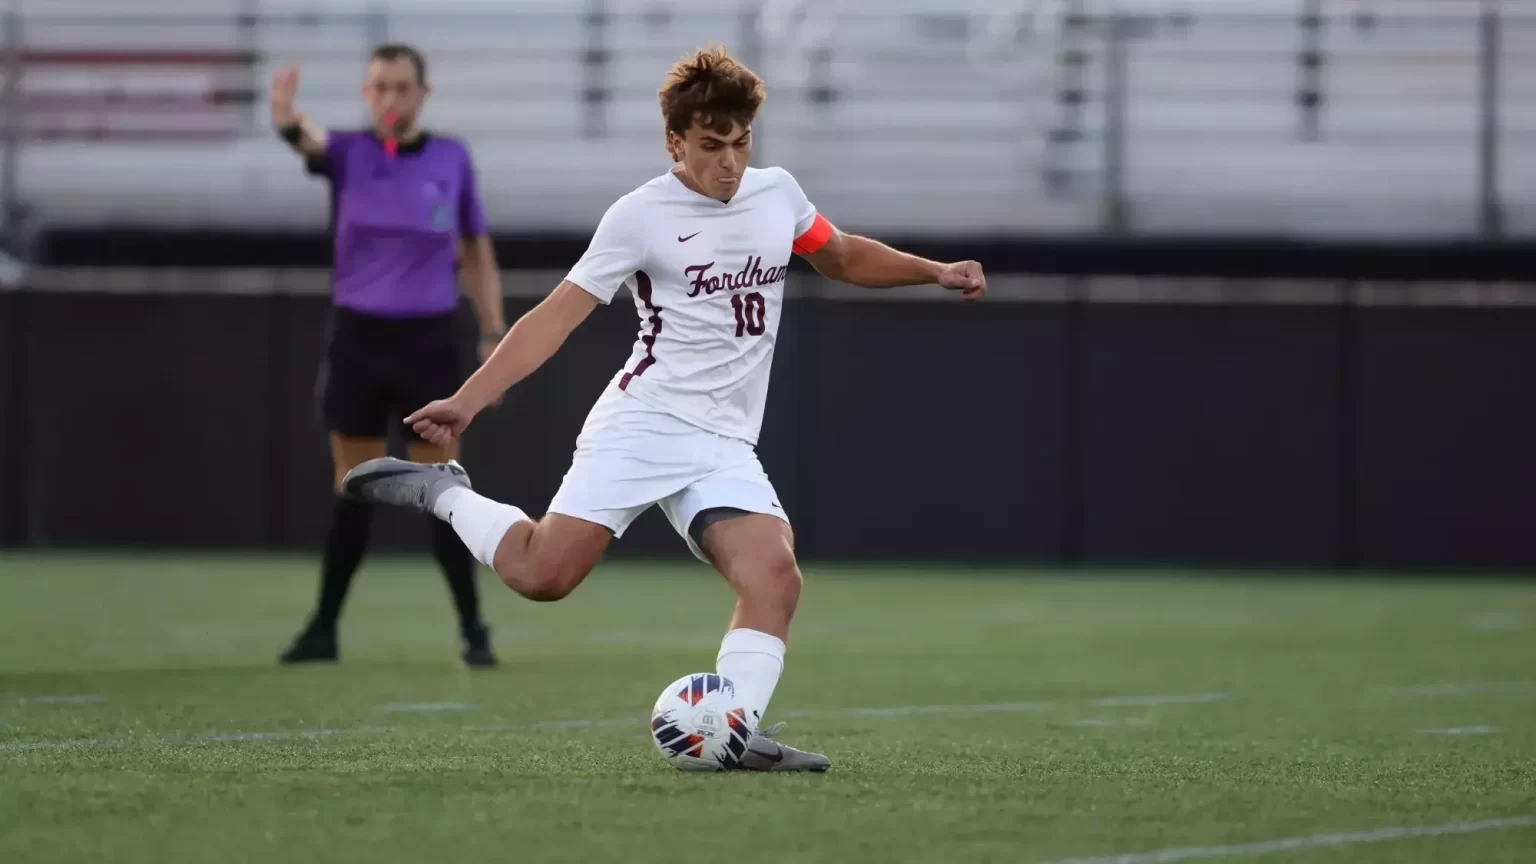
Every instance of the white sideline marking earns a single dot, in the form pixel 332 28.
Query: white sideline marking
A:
pixel 275 736
pixel 1496 621
pixel 1462 730
pixel 1455 687
pixel 429 706
pixel 61 700
pixel 59 745
pixel 211 737
pixel 560 724
pixel 910 710
pixel 1096 723
pixel 890 711
pixel 913 710
pixel 1136 701
pixel 1163 856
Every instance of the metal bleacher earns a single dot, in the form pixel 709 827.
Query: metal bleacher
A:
pixel 955 116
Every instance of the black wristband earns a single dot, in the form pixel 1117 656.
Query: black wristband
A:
pixel 293 133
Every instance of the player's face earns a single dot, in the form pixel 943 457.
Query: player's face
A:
pixel 713 161
pixel 393 88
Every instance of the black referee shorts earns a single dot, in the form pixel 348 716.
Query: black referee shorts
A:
pixel 378 370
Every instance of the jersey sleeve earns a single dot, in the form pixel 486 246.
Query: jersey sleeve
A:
pixel 472 221
pixel 812 230
pixel 804 210
pixel 617 250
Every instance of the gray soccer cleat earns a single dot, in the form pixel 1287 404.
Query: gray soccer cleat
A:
pixel 766 754
pixel 403 484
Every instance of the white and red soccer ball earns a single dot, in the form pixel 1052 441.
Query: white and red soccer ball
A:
pixel 699 725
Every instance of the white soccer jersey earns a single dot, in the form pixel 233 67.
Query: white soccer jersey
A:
pixel 708 281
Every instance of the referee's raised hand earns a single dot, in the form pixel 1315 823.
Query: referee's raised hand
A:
pixel 293 126
pixel 285 86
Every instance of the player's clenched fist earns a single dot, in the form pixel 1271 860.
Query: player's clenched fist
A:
pixel 441 422
pixel 966 277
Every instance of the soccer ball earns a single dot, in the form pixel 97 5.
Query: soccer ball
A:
pixel 699 725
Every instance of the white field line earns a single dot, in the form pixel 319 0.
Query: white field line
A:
pixel 61 700
pixel 1453 688
pixel 1139 701
pixel 890 711
pixel 427 707
pixel 1495 621
pixel 211 737
pixel 1100 723
pixel 913 710
pixel 1462 730
pixel 1164 856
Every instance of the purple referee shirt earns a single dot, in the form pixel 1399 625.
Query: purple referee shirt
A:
pixel 398 222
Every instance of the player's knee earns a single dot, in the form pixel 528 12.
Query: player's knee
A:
pixel 543 582
pixel 779 579
pixel 548 589
pixel 791 582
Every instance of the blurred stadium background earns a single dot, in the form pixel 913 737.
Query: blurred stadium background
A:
pixel 1261 267
pixel 1262 299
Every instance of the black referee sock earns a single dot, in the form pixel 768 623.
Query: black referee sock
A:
pixel 344 548
pixel 459 566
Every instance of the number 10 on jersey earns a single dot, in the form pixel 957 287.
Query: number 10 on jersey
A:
pixel 751 314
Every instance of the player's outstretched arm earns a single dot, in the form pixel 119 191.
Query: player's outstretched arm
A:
pixel 528 345
pixel 293 126
pixel 872 264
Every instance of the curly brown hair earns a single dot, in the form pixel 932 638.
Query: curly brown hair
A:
pixel 712 88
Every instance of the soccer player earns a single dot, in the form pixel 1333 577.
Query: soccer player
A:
pixel 406 214
pixel 704 249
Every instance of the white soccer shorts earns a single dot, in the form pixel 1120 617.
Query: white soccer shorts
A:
pixel 631 456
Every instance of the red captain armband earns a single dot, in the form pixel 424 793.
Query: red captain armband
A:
pixel 814 237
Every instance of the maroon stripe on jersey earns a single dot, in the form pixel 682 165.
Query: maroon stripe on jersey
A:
pixel 643 289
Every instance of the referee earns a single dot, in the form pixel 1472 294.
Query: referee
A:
pixel 406 217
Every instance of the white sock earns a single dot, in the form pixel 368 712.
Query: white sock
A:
pixel 479 521
pixel 753 661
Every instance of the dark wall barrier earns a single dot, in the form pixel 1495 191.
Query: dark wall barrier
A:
pixel 1207 433
pixel 1445 437
pixel 1157 400
pixel 1049 431
pixel 13 452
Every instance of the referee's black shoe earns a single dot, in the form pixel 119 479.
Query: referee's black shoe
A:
pixel 477 648
pixel 314 645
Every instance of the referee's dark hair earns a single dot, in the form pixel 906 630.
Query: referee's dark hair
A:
pixel 392 51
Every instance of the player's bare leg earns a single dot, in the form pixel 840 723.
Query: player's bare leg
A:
pixel 756 555
pixel 543 560
pixel 458 566
pixel 546 560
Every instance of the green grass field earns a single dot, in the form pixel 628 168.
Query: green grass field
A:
pixel 971 716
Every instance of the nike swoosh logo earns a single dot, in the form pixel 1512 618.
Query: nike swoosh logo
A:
pixel 689 237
